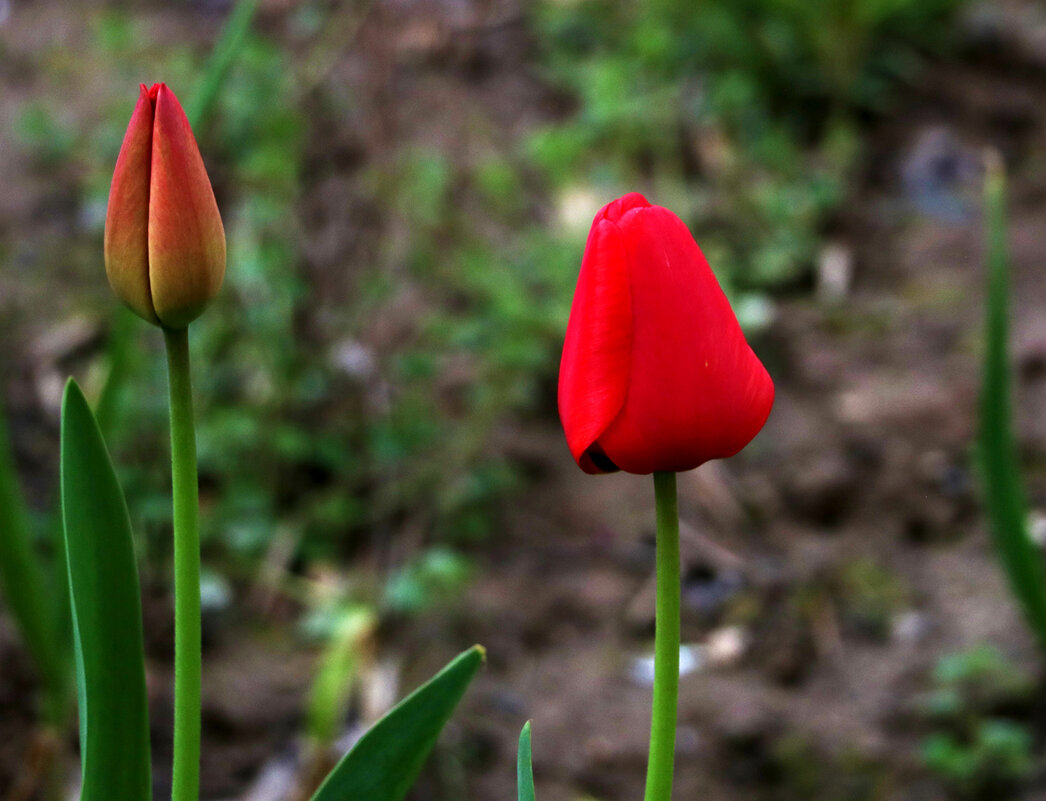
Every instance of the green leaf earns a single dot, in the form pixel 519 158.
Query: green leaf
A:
pixel 1003 493
pixel 524 767
pixel 383 765
pixel 107 615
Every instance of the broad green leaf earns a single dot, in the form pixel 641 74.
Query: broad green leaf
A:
pixel 1003 493
pixel 524 767
pixel 383 765
pixel 107 615
pixel 27 590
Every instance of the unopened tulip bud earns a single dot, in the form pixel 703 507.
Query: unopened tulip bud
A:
pixel 656 374
pixel 164 240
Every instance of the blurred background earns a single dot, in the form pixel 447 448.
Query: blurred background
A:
pixel 406 187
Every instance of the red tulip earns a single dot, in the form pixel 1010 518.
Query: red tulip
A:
pixel 164 240
pixel 656 374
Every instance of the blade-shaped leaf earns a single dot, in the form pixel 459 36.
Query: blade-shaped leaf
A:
pixel 383 765
pixel 107 615
pixel 524 767
pixel 1000 467
pixel 222 57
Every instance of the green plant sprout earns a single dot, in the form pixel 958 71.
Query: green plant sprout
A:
pixel 975 749
pixel 1000 467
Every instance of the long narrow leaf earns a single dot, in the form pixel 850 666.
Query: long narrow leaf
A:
pixel 1003 493
pixel 25 586
pixel 107 616
pixel 383 765
pixel 222 57
pixel 524 766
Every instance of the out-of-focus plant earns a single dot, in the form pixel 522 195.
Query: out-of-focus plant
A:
pixel 28 579
pixel 348 649
pixel 997 756
pixel 741 115
pixel 435 577
pixel 976 749
pixel 1000 471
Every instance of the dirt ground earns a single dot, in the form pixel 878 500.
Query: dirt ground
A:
pixel 862 477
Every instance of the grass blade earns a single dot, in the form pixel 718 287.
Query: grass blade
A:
pixel 524 766
pixel 107 616
pixel 383 765
pixel 1001 475
pixel 222 57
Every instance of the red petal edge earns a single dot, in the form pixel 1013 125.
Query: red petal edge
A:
pixel 593 373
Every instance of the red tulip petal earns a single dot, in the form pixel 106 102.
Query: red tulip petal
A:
pixel 127 218
pixel 616 209
pixel 696 391
pixel 186 237
pixel 593 373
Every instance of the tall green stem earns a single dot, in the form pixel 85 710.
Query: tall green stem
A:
pixel 666 643
pixel 187 649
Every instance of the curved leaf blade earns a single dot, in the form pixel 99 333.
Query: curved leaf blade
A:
pixel 524 766
pixel 999 461
pixel 107 615
pixel 383 765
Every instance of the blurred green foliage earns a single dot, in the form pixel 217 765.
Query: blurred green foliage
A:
pixel 997 755
pixel 799 770
pixel 977 748
pixel 742 116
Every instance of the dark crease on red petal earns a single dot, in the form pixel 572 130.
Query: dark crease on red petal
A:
pixel 600 460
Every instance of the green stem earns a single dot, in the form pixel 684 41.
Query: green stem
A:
pixel 666 643
pixel 187 657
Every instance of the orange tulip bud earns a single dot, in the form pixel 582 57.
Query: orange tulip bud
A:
pixel 164 240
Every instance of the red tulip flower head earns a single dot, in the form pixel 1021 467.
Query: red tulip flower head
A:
pixel 656 374
pixel 164 240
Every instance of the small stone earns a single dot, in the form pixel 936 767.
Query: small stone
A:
pixel 726 646
pixel 835 268
pixel 910 627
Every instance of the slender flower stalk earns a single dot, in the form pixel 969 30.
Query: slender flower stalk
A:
pixel 187 633
pixel 666 643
